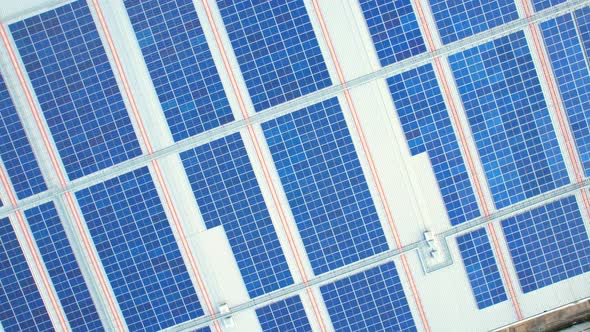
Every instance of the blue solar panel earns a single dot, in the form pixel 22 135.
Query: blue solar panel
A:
pixel 457 19
pixel 283 316
pixel 276 48
pixel 481 268
pixel 15 150
pixel 21 306
pixel 63 268
pixel 373 300
pixel 582 17
pixel 548 244
pixel 138 251
pixel 71 75
pixel 509 119
pixel 394 29
pixel 180 65
pixel 573 79
pixel 204 329
pixel 427 126
pixel 325 185
pixel 228 194
pixel 543 4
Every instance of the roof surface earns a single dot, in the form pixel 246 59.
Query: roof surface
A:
pixel 301 165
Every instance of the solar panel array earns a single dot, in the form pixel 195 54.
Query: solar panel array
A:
pixel 482 270
pixel 228 194
pixel 283 316
pixel 276 48
pixel 548 244
pixel 394 29
pixel 21 306
pixel 63 268
pixel 457 19
pixel 180 65
pixel 372 300
pixel 572 74
pixel 325 186
pixel 76 88
pixel 509 119
pixel 427 127
pixel 544 4
pixel 16 153
pixel 139 252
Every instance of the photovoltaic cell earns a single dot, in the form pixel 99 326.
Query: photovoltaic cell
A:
pixel 63 268
pixel 373 300
pixel 21 306
pixel 457 19
pixel 76 88
pixel 228 194
pixel 548 244
pixel 276 48
pixel 394 29
pixel 509 119
pixel 427 127
pixel 325 186
pixel 481 268
pixel 544 4
pixel 15 150
pixel 138 251
pixel 284 316
pixel 573 79
pixel 180 65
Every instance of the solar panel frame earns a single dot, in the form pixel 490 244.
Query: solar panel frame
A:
pixel 180 65
pixel 76 88
pixel 138 251
pixel 548 244
pixel 21 305
pixel 62 267
pixel 16 152
pixel 544 4
pixel 509 119
pixel 481 267
pixel 276 49
pixel 287 315
pixel 228 194
pixel 325 186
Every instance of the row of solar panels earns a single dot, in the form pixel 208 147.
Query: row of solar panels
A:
pixel 311 148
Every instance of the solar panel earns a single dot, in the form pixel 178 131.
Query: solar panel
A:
pixel 509 119
pixel 548 244
pixel 544 4
pixel 325 186
pixel 228 194
pixel 76 88
pixel 427 127
pixel 394 29
pixel 457 19
pixel 21 306
pixel 15 150
pixel 138 251
pixel 276 49
pixel 481 268
pixel 63 268
pixel 283 316
pixel 582 17
pixel 573 79
pixel 180 65
pixel 372 300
